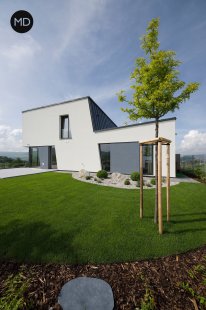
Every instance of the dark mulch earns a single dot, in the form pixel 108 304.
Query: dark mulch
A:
pixel 128 280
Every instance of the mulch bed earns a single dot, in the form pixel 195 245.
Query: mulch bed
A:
pixel 128 280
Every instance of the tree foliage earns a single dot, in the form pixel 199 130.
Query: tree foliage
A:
pixel 157 87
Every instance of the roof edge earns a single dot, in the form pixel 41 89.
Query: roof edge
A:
pixel 54 104
pixel 140 124
pixel 91 100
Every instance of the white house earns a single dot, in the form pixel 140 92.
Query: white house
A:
pixel 77 134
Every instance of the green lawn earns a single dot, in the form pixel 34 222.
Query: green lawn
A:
pixel 53 218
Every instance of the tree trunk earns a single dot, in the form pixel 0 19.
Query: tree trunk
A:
pixel 156 172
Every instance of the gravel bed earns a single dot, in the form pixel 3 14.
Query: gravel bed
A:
pixel 118 184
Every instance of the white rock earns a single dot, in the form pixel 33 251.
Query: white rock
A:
pixel 117 177
pixel 83 173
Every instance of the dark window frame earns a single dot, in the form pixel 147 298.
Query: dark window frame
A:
pixel 31 156
pixel 101 156
pixel 152 158
pixel 61 117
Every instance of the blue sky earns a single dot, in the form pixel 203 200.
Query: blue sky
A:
pixel 78 48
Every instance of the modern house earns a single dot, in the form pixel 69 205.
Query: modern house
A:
pixel 77 134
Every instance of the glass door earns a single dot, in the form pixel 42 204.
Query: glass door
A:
pixel 34 157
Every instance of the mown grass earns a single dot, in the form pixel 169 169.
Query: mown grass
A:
pixel 54 218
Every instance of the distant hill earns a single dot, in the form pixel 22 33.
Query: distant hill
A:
pixel 201 157
pixel 22 155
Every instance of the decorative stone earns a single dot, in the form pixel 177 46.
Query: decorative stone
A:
pixel 86 293
pixel 117 177
pixel 83 173
pixel 98 180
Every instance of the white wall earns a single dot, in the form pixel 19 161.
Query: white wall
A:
pixel 41 128
pixel 142 133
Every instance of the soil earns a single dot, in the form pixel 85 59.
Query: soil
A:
pixel 129 281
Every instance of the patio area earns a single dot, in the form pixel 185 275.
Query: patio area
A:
pixel 16 172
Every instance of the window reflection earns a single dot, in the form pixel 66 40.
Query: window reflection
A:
pixel 105 156
pixel 148 159
pixel 34 157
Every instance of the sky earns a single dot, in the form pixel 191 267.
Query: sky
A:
pixel 80 48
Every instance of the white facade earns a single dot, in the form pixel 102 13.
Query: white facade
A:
pixel 41 127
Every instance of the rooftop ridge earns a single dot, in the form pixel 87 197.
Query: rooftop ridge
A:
pixel 139 124
pixel 54 104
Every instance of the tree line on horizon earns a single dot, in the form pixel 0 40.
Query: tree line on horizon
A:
pixel 8 162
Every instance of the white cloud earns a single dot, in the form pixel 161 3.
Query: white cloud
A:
pixel 10 139
pixel 79 25
pixel 17 53
pixel 194 142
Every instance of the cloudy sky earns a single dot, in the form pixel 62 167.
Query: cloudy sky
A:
pixel 78 48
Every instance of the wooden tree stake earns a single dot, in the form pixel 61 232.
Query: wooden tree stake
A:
pixel 168 182
pixel 141 182
pixel 160 187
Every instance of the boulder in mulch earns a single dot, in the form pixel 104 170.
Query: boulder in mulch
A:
pixel 86 293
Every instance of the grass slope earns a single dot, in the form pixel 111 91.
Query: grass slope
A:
pixel 53 218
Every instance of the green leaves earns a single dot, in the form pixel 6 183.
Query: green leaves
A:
pixel 156 84
pixel 150 42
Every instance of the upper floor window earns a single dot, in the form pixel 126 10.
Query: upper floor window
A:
pixel 64 127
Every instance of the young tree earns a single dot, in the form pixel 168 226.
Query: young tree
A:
pixel 157 87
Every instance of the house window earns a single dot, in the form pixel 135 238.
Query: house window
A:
pixel 148 159
pixel 34 157
pixel 105 156
pixel 64 127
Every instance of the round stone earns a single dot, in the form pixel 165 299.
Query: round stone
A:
pixel 86 293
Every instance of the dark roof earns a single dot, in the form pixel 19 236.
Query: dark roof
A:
pixel 100 120
pixel 139 124
pixel 53 104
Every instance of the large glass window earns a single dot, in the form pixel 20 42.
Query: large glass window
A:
pixel 53 158
pixel 148 159
pixel 64 127
pixel 105 156
pixel 34 157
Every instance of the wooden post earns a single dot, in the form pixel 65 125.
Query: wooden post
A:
pixel 141 181
pixel 160 188
pixel 168 182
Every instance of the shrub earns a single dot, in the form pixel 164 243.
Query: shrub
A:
pixel 153 181
pixel 198 172
pixel 88 177
pixel 102 174
pixel 203 179
pixel 138 184
pixel 127 182
pixel 135 176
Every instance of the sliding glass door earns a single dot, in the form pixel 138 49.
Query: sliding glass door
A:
pixel 34 157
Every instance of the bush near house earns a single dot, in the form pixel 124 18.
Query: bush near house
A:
pixel 153 181
pixel 127 182
pixel 135 176
pixel 102 174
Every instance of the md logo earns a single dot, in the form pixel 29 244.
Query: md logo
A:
pixel 21 21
